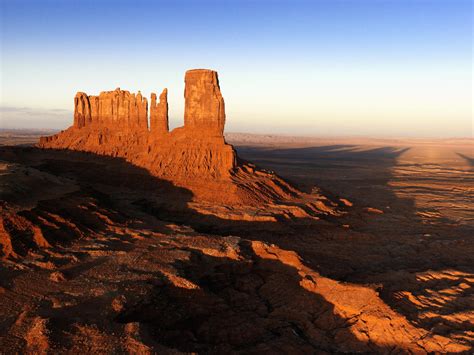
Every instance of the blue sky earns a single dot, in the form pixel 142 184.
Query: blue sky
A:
pixel 327 67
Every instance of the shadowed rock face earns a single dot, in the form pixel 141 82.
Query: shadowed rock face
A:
pixel 194 156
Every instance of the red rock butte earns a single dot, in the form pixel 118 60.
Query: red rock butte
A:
pixel 196 156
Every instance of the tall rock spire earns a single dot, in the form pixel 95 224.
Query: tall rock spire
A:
pixel 204 110
pixel 82 110
pixel 159 113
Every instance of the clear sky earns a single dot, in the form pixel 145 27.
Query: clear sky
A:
pixel 321 67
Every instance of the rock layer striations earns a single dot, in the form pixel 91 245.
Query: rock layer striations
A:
pixel 117 109
pixel 196 156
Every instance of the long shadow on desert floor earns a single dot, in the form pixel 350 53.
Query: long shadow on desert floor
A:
pixel 396 252
pixel 254 304
pixel 196 303
pixel 399 251
pixel 466 158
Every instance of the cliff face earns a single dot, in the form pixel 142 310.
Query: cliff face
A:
pixel 204 106
pixel 194 156
pixel 117 110
pixel 115 123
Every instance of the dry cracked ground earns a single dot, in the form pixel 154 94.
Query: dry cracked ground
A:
pixel 100 257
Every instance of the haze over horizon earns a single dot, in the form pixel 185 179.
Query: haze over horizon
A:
pixel 378 68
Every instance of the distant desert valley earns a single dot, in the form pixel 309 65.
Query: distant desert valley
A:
pixel 118 235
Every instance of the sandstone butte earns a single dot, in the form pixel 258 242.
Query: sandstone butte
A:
pixel 195 156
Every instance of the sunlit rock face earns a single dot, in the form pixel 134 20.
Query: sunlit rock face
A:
pixel 204 109
pixel 194 156
pixel 116 123
pixel 159 114
pixel 118 110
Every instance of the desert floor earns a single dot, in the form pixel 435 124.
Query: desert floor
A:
pixel 430 181
pixel 107 258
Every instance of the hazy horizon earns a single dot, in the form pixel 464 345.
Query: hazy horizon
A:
pixel 323 68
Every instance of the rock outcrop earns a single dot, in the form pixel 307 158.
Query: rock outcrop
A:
pixel 117 110
pixel 204 110
pixel 159 114
pixel 195 156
